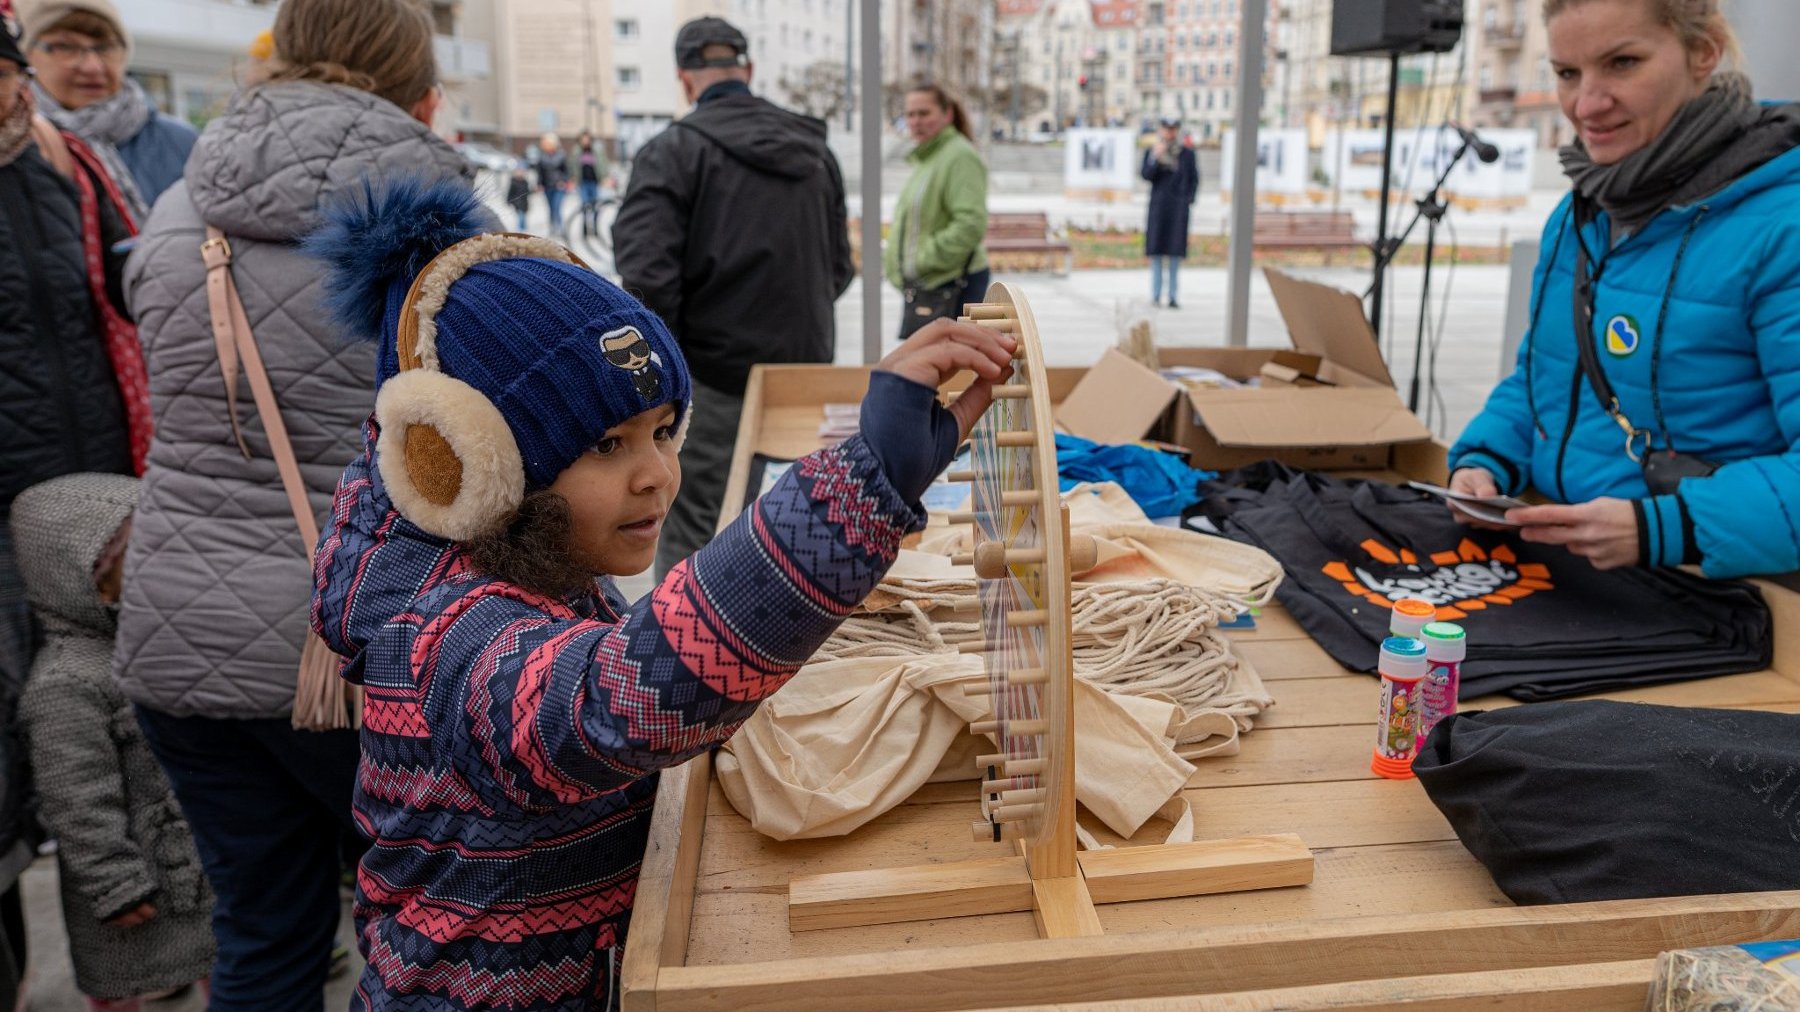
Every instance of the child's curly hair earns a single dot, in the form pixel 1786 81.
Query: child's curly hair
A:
pixel 534 548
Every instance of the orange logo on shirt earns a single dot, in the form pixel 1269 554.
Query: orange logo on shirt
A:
pixel 1467 579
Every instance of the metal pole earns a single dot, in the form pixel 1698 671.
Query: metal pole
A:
pixel 1251 36
pixel 849 66
pixel 1382 256
pixel 874 121
pixel 1015 83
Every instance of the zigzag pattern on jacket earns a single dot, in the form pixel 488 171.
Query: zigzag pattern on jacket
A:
pixel 510 741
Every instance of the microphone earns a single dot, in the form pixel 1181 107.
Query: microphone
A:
pixel 1483 150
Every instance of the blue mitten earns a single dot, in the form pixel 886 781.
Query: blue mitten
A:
pixel 911 434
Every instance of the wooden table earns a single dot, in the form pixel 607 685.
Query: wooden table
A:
pixel 1398 912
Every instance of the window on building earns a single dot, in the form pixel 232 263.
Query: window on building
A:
pixel 443 17
pixel 626 29
pixel 1228 69
pixel 629 78
pixel 1225 99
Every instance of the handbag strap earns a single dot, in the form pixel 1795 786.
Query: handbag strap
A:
pixel 237 344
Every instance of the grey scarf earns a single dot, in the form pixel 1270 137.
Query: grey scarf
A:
pixel 104 126
pixel 1714 139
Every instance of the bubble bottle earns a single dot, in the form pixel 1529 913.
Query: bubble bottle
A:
pixel 1445 647
pixel 1411 615
pixel 1402 669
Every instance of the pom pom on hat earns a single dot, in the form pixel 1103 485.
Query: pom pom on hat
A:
pixel 380 235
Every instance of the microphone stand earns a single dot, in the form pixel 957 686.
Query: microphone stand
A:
pixel 1432 208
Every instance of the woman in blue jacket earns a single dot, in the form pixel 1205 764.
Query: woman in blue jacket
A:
pixel 1675 436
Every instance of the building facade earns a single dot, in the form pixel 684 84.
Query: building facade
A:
pixel 946 42
pixel 1076 62
pixel 1514 86
pixel 189 54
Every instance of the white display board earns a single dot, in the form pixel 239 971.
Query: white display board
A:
pixel 1100 159
pixel 1352 158
pixel 1281 161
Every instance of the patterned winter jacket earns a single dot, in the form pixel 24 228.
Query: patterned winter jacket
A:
pixel 510 740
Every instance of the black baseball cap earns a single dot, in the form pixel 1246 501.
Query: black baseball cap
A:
pixel 9 45
pixel 696 35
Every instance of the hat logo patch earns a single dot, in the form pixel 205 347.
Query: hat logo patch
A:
pixel 1621 336
pixel 625 348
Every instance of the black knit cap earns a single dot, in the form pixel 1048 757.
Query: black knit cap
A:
pixel 9 43
pixel 696 35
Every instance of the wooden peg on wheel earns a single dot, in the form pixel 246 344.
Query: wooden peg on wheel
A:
pixel 1010 728
pixel 991 559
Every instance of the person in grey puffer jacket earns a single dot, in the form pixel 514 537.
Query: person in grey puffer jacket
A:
pixel 135 901
pixel 217 582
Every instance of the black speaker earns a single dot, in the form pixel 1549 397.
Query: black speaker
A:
pixel 1381 27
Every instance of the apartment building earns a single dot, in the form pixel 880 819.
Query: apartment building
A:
pixel 1514 86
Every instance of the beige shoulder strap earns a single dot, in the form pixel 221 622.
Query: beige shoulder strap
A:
pixel 52 146
pixel 322 700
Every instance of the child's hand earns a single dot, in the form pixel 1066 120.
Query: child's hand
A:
pixel 910 433
pixel 944 348
pixel 135 916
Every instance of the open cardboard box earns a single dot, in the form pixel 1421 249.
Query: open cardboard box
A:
pixel 1329 403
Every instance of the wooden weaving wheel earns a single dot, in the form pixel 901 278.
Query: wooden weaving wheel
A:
pixel 1022 559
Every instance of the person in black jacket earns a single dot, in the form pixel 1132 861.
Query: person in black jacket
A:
pixel 1174 176
pixel 60 405
pixel 733 231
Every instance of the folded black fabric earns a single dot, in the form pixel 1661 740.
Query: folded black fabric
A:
pixel 1599 800
pixel 1542 623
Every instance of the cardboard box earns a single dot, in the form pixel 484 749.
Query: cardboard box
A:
pixel 1328 404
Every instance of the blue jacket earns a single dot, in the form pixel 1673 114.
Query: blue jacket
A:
pixel 157 154
pixel 1697 316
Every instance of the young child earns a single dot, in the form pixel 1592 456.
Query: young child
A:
pixel 134 897
pixel 523 449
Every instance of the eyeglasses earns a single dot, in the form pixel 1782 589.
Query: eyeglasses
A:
pixel 74 52
pixel 10 76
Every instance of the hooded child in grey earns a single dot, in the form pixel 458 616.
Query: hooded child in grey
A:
pixel 135 900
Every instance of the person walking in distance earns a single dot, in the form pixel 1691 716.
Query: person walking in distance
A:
pixel 552 164
pixel 733 231
pixel 1174 177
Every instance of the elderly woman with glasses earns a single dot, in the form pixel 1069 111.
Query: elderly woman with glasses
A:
pixel 78 51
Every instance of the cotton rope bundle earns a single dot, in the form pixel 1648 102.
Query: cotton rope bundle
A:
pixel 1153 637
pixel 1728 977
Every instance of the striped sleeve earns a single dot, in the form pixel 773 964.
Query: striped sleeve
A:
pixel 563 710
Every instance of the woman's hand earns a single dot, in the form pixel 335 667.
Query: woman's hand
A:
pixel 943 348
pixel 137 915
pixel 1604 531
pixel 1474 481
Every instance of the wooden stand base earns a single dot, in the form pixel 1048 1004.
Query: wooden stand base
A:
pixel 1064 906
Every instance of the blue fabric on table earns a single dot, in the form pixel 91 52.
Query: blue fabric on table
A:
pixel 1161 483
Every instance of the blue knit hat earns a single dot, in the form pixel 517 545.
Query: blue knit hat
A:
pixel 490 323
pixel 563 353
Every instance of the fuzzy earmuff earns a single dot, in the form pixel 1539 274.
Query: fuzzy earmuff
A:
pixel 449 462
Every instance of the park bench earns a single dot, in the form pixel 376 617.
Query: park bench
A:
pixel 1305 230
pixel 1027 233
